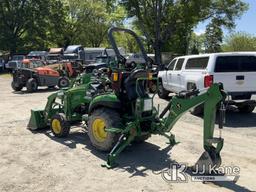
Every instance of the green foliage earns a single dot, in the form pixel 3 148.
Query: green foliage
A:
pixel 213 36
pixel 25 23
pixel 167 24
pixel 239 42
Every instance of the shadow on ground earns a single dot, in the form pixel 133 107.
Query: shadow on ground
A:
pixel 137 158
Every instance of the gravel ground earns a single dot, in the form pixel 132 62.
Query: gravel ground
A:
pixel 40 162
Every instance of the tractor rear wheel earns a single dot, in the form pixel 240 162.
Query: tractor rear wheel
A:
pixel 63 82
pixel 59 125
pixel 31 85
pixel 99 120
pixel 15 87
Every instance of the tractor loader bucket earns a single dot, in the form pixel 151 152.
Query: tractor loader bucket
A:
pixel 207 163
pixel 37 120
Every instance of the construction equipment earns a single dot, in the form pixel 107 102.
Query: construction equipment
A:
pixel 121 111
pixel 116 119
pixel 31 75
pixel 66 107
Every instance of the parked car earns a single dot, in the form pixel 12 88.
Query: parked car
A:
pixel 74 53
pixel 134 58
pixel 92 53
pixel 11 65
pixel 237 72
pixel 41 55
pixel 18 57
pixel 55 55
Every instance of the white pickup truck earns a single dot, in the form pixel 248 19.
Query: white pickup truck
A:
pixel 237 72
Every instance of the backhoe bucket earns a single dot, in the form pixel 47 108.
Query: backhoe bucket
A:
pixel 37 120
pixel 207 162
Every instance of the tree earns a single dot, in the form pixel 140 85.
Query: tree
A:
pixel 239 42
pixel 213 36
pixel 24 23
pixel 160 20
pixel 89 20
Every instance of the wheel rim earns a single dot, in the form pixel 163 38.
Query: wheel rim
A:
pixel 63 83
pixel 99 132
pixel 56 126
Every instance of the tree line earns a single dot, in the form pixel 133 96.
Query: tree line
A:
pixel 164 25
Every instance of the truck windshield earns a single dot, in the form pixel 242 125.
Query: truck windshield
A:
pixel 235 64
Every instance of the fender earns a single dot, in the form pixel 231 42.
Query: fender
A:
pixel 108 100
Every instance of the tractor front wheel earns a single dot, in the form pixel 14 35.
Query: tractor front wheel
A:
pixel 63 82
pixel 31 85
pixel 98 122
pixel 59 125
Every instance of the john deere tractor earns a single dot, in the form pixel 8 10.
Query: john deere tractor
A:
pixel 66 107
pixel 126 112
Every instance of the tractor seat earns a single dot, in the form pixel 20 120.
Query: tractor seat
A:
pixel 130 85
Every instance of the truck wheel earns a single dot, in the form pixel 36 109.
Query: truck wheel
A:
pixel 246 108
pixel 99 120
pixel 63 82
pixel 59 125
pixel 162 93
pixel 31 85
pixel 15 87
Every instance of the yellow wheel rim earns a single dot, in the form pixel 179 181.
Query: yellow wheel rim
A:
pixel 98 127
pixel 56 126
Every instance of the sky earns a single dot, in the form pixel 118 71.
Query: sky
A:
pixel 246 23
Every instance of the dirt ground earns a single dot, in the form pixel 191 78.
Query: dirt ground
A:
pixel 39 162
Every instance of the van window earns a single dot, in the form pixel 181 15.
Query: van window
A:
pixel 179 64
pixel 197 63
pixel 171 65
pixel 235 64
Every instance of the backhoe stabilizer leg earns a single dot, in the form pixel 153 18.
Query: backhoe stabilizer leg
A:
pixel 122 143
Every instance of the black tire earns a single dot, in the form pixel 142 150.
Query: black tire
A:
pixel 60 127
pixel 162 93
pixel 63 82
pixel 103 141
pixel 31 85
pixel 15 87
pixel 142 138
pixel 246 108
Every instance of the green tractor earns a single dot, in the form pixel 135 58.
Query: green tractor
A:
pixel 125 113
pixel 67 106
